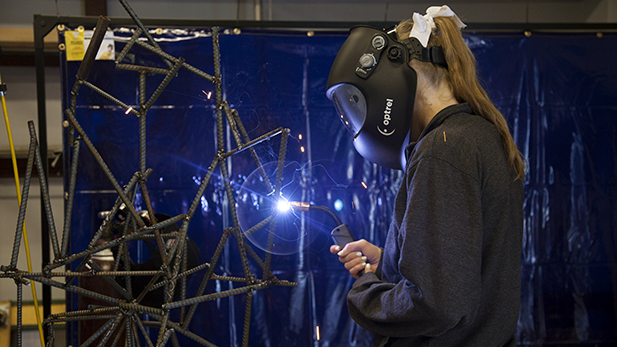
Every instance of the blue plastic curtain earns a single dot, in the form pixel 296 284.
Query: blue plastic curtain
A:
pixel 558 93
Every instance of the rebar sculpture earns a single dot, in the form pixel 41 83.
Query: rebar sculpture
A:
pixel 123 316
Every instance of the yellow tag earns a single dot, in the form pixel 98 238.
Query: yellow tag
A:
pixel 74 41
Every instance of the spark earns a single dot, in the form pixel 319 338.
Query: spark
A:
pixel 208 94
pixel 364 185
pixel 299 136
pixel 302 149
pixel 317 331
pixel 129 110
pixel 283 205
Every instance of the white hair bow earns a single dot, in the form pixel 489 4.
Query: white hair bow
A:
pixel 423 26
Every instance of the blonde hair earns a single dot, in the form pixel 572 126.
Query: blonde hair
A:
pixel 462 79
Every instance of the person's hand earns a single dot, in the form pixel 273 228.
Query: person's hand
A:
pixel 357 256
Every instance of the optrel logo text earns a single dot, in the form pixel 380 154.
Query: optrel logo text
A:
pixel 387 118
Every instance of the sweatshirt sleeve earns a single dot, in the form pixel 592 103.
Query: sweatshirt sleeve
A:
pixel 431 273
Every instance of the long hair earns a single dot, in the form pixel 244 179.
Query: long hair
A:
pixel 462 79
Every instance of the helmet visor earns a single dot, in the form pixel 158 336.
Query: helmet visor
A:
pixel 350 105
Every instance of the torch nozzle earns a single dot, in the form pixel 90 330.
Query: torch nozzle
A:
pixel 300 206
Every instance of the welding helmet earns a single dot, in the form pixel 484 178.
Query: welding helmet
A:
pixel 373 88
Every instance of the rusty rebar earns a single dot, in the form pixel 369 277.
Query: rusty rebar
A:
pixel 44 192
pixel 247 319
pixel 140 25
pixel 104 166
pixel 144 69
pixel 174 60
pixel 98 333
pixel 24 203
pixel 142 122
pixel 119 335
pixel 114 242
pixel 93 48
pixel 111 329
pixel 111 281
pixel 236 230
pixel 109 97
pixel 163 327
pixel 76 289
pixel 277 190
pixel 183 274
pixel 68 213
pixel 213 296
pixel 209 272
pixel 142 329
pixel 172 73
pixel 19 312
pixel 128 46
pixel 216 55
pixel 252 143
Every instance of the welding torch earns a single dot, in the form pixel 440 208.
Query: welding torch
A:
pixel 341 235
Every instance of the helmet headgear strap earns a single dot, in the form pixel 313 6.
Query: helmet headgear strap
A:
pixel 422 29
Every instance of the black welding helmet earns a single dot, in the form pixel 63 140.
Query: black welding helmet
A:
pixel 373 88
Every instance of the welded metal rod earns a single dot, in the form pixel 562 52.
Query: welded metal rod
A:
pixel 247 319
pixel 111 329
pixel 277 189
pixel 142 122
pixel 114 242
pixel 165 337
pixel 209 272
pixel 119 335
pixel 196 202
pixel 93 48
pixel 141 308
pixel 137 320
pixel 247 139
pixel 141 68
pixel 253 142
pixel 159 340
pixel 174 339
pixel 114 210
pixel 91 274
pixel 174 60
pixel 172 73
pixel 128 46
pixel 190 335
pixel 234 214
pixel 19 312
pixel 111 281
pixel 83 318
pixel 68 210
pixel 45 192
pixel 140 25
pixel 24 203
pixel 213 296
pixel 218 88
pixel 95 311
pixel 76 289
pixel 109 97
pixel 98 333
pixel 183 274
pixel 105 168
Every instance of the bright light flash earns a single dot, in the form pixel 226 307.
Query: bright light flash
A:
pixel 299 136
pixel 338 205
pixel 208 94
pixel 128 110
pixel 302 149
pixel 317 331
pixel 283 205
pixel 364 185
